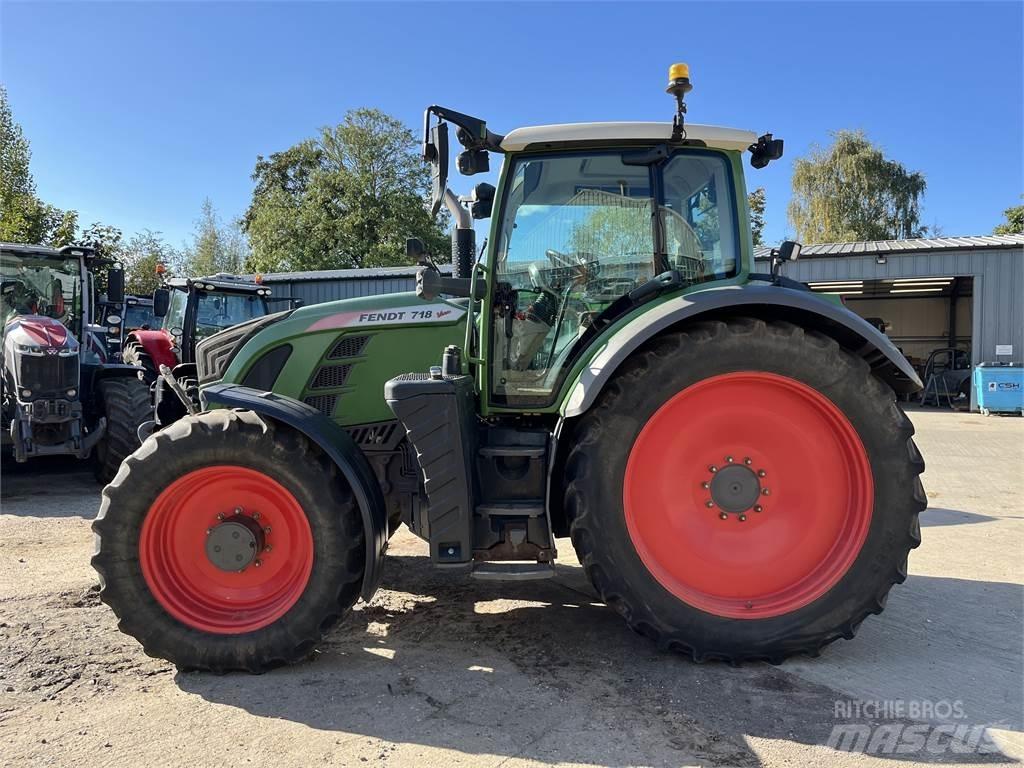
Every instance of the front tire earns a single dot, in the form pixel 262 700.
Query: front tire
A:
pixel 209 489
pixel 744 491
pixel 135 354
pixel 125 404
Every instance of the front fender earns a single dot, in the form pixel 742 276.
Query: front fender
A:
pixel 336 443
pixel 768 302
pixel 158 345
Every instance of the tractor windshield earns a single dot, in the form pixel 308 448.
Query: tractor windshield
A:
pixel 217 311
pixel 33 285
pixel 579 231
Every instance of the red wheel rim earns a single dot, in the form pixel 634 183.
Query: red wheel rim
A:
pixel 181 575
pixel 794 542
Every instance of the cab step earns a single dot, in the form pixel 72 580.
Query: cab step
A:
pixel 512 571
pixel 531 508
pixel 509 451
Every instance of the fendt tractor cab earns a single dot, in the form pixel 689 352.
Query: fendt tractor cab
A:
pixel 723 448
pixel 62 394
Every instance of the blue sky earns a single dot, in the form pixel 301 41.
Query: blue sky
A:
pixel 136 112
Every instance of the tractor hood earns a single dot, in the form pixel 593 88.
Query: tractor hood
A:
pixel 38 334
pixel 374 311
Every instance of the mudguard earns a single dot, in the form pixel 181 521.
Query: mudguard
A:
pixel 158 345
pixel 768 302
pixel 336 443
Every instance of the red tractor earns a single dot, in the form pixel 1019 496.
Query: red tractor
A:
pixel 189 310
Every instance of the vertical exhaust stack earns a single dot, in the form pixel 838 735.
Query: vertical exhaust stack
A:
pixel 463 236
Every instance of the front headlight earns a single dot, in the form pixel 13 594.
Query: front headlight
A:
pixel 30 349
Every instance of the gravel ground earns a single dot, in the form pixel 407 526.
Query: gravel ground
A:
pixel 438 670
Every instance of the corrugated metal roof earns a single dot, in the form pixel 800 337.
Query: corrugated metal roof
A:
pixel 872 247
pixel 346 274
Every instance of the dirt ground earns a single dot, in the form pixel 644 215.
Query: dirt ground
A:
pixel 440 670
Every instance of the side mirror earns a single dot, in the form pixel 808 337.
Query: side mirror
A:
pixel 482 201
pixel 788 251
pixel 161 302
pixel 115 285
pixel 435 151
pixel 415 249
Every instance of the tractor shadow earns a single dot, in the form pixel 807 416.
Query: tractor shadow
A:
pixel 543 671
pixel 938 516
pixel 51 486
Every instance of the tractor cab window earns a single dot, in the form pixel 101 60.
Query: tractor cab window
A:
pixel 174 320
pixel 31 285
pixel 217 311
pixel 578 233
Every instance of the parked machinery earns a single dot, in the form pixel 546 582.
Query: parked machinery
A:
pixel 62 393
pixel 723 448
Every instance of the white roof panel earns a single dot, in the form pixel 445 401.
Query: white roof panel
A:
pixel 712 135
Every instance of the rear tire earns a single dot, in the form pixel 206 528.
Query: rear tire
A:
pixel 151 530
pixel 135 354
pixel 731 616
pixel 125 404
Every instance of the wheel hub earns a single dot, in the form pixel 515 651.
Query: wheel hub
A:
pixel 234 544
pixel 735 488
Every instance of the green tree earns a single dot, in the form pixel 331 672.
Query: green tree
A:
pixel 215 247
pixel 141 255
pixel 1014 224
pixel 348 198
pixel 851 191
pixel 105 239
pixel 24 218
pixel 756 203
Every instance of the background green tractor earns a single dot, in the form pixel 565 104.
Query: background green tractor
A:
pixel 724 449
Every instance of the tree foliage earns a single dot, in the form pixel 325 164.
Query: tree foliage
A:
pixel 756 204
pixel 1014 224
pixel 24 218
pixel 851 191
pixel 348 198
pixel 141 255
pixel 215 247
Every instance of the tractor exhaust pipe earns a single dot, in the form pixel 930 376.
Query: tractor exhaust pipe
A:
pixel 463 236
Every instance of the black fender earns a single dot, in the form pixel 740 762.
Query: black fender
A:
pixel 336 443
pixel 767 302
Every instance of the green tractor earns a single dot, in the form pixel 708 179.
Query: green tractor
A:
pixel 723 448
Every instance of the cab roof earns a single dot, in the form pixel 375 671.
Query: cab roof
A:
pixel 539 136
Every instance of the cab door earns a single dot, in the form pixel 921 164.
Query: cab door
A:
pixel 576 233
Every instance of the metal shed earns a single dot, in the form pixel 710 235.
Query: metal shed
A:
pixel 962 292
pixel 333 284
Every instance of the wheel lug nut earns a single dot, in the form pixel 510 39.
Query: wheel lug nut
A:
pixel 723 516
pixel 220 515
pixel 712 468
pixel 255 515
pixel 238 510
pixel 765 491
pixel 743 518
pixel 758 507
pixel 267 548
pixel 705 485
pixel 267 529
pixel 209 531
pixel 761 473
pixel 729 459
pixel 747 461
pixel 258 563
pixel 709 503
